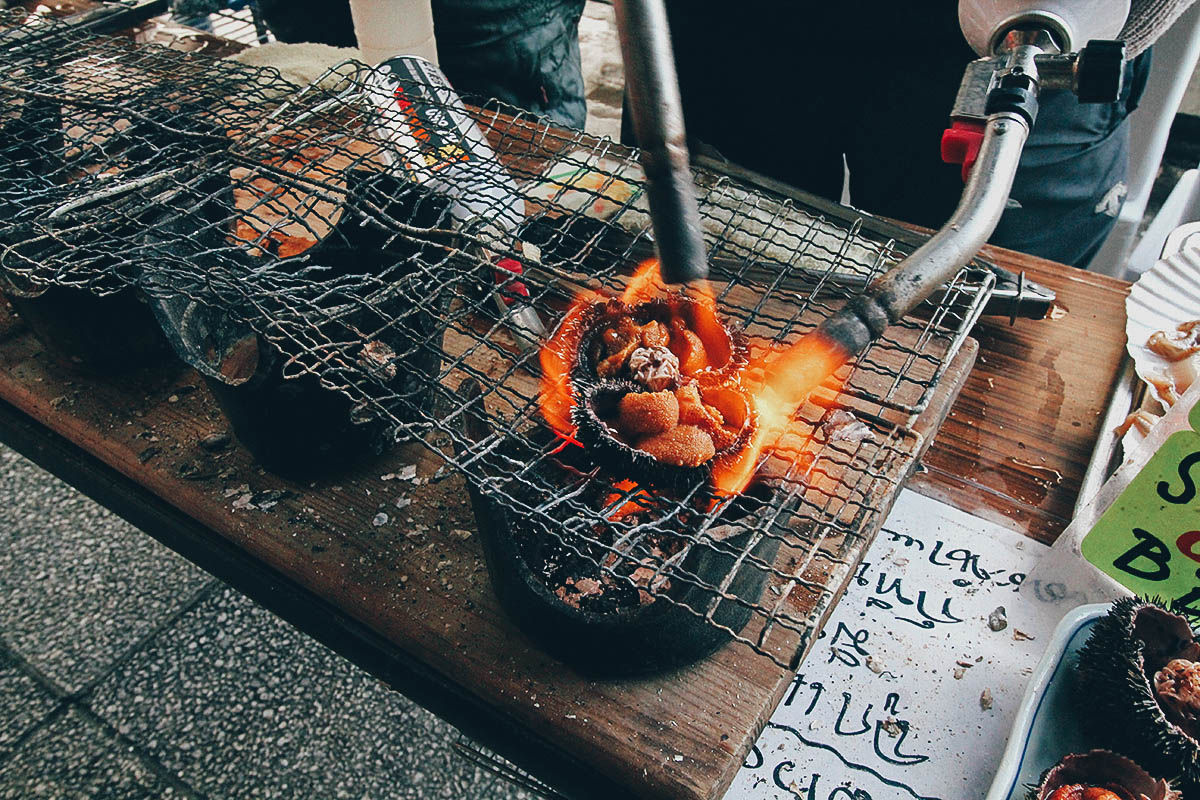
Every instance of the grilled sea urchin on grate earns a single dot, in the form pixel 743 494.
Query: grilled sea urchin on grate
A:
pixel 289 215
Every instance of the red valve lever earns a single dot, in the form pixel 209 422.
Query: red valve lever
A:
pixel 510 288
pixel 961 143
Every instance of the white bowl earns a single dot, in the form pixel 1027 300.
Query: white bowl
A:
pixel 1048 725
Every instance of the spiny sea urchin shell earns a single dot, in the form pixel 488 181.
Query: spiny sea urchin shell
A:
pixel 720 355
pixel 1127 649
pixel 639 450
pixel 1103 772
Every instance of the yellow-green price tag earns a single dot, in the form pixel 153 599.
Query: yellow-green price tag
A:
pixel 1149 539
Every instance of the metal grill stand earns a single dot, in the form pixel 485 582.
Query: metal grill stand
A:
pixel 196 182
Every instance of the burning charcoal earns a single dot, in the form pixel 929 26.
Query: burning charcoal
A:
pixel 588 587
pixel 378 360
pixel 656 367
pixel 843 426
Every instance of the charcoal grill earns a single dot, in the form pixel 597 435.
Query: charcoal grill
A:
pixel 779 265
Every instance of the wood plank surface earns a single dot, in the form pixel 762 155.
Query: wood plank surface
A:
pixel 418 579
pixel 1014 448
pixel 1018 440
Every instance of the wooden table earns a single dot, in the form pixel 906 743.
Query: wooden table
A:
pixel 414 606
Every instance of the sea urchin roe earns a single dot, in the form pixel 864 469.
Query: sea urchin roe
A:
pixel 1077 791
pixel 1177 345
pixel 683 445
pixel 694 411
pixel 688 347
pixel 655 334
pixel 654 367
pixel 647 413
pixel 1177 687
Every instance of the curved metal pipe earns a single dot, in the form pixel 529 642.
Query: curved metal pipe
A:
pixel 937 261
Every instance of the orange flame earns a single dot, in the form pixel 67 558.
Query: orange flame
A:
pixel 788 377
pixel 644 285
pixel 556 357
pixel 639 500
pixel 787 382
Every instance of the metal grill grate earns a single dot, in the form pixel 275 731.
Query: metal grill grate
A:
pixel 246 207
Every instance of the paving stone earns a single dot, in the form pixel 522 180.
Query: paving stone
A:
pixel 603 74
pixel 72 757
pixel 238 703
pixel 78 585
pixel 23 703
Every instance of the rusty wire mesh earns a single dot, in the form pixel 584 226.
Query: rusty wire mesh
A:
pixel 224 194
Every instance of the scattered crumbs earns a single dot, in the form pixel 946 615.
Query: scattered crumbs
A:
pixel 1021 636
pixel 243 489
pixel 959 672
pixel 985 700
pixel 572 716
pixel 173 398
pixel 991 383
pixel 403 502
pixel 407 473
pixel 242 502
pixel 214 442
pixel 1055 474
pixel 679 758
pixel 462 534
pixel 891 727
pixel 379 519
pixel 997 620
pixel 874 665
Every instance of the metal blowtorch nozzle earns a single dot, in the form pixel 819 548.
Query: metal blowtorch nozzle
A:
pixel 657 112
pixel 937 261
pixel 995 108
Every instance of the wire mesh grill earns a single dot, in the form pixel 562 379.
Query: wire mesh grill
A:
pixel 241 205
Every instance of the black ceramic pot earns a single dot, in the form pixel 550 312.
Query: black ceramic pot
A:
pixel 298 423
pixel 669 632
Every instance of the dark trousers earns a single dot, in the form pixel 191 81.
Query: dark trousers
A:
pixel 522 52
pixel 787 89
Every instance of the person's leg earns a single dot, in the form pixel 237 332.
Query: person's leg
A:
pixel 522 52
pixel 1071 182
pixel 525 54
pixel 744 80
pixel 903 96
